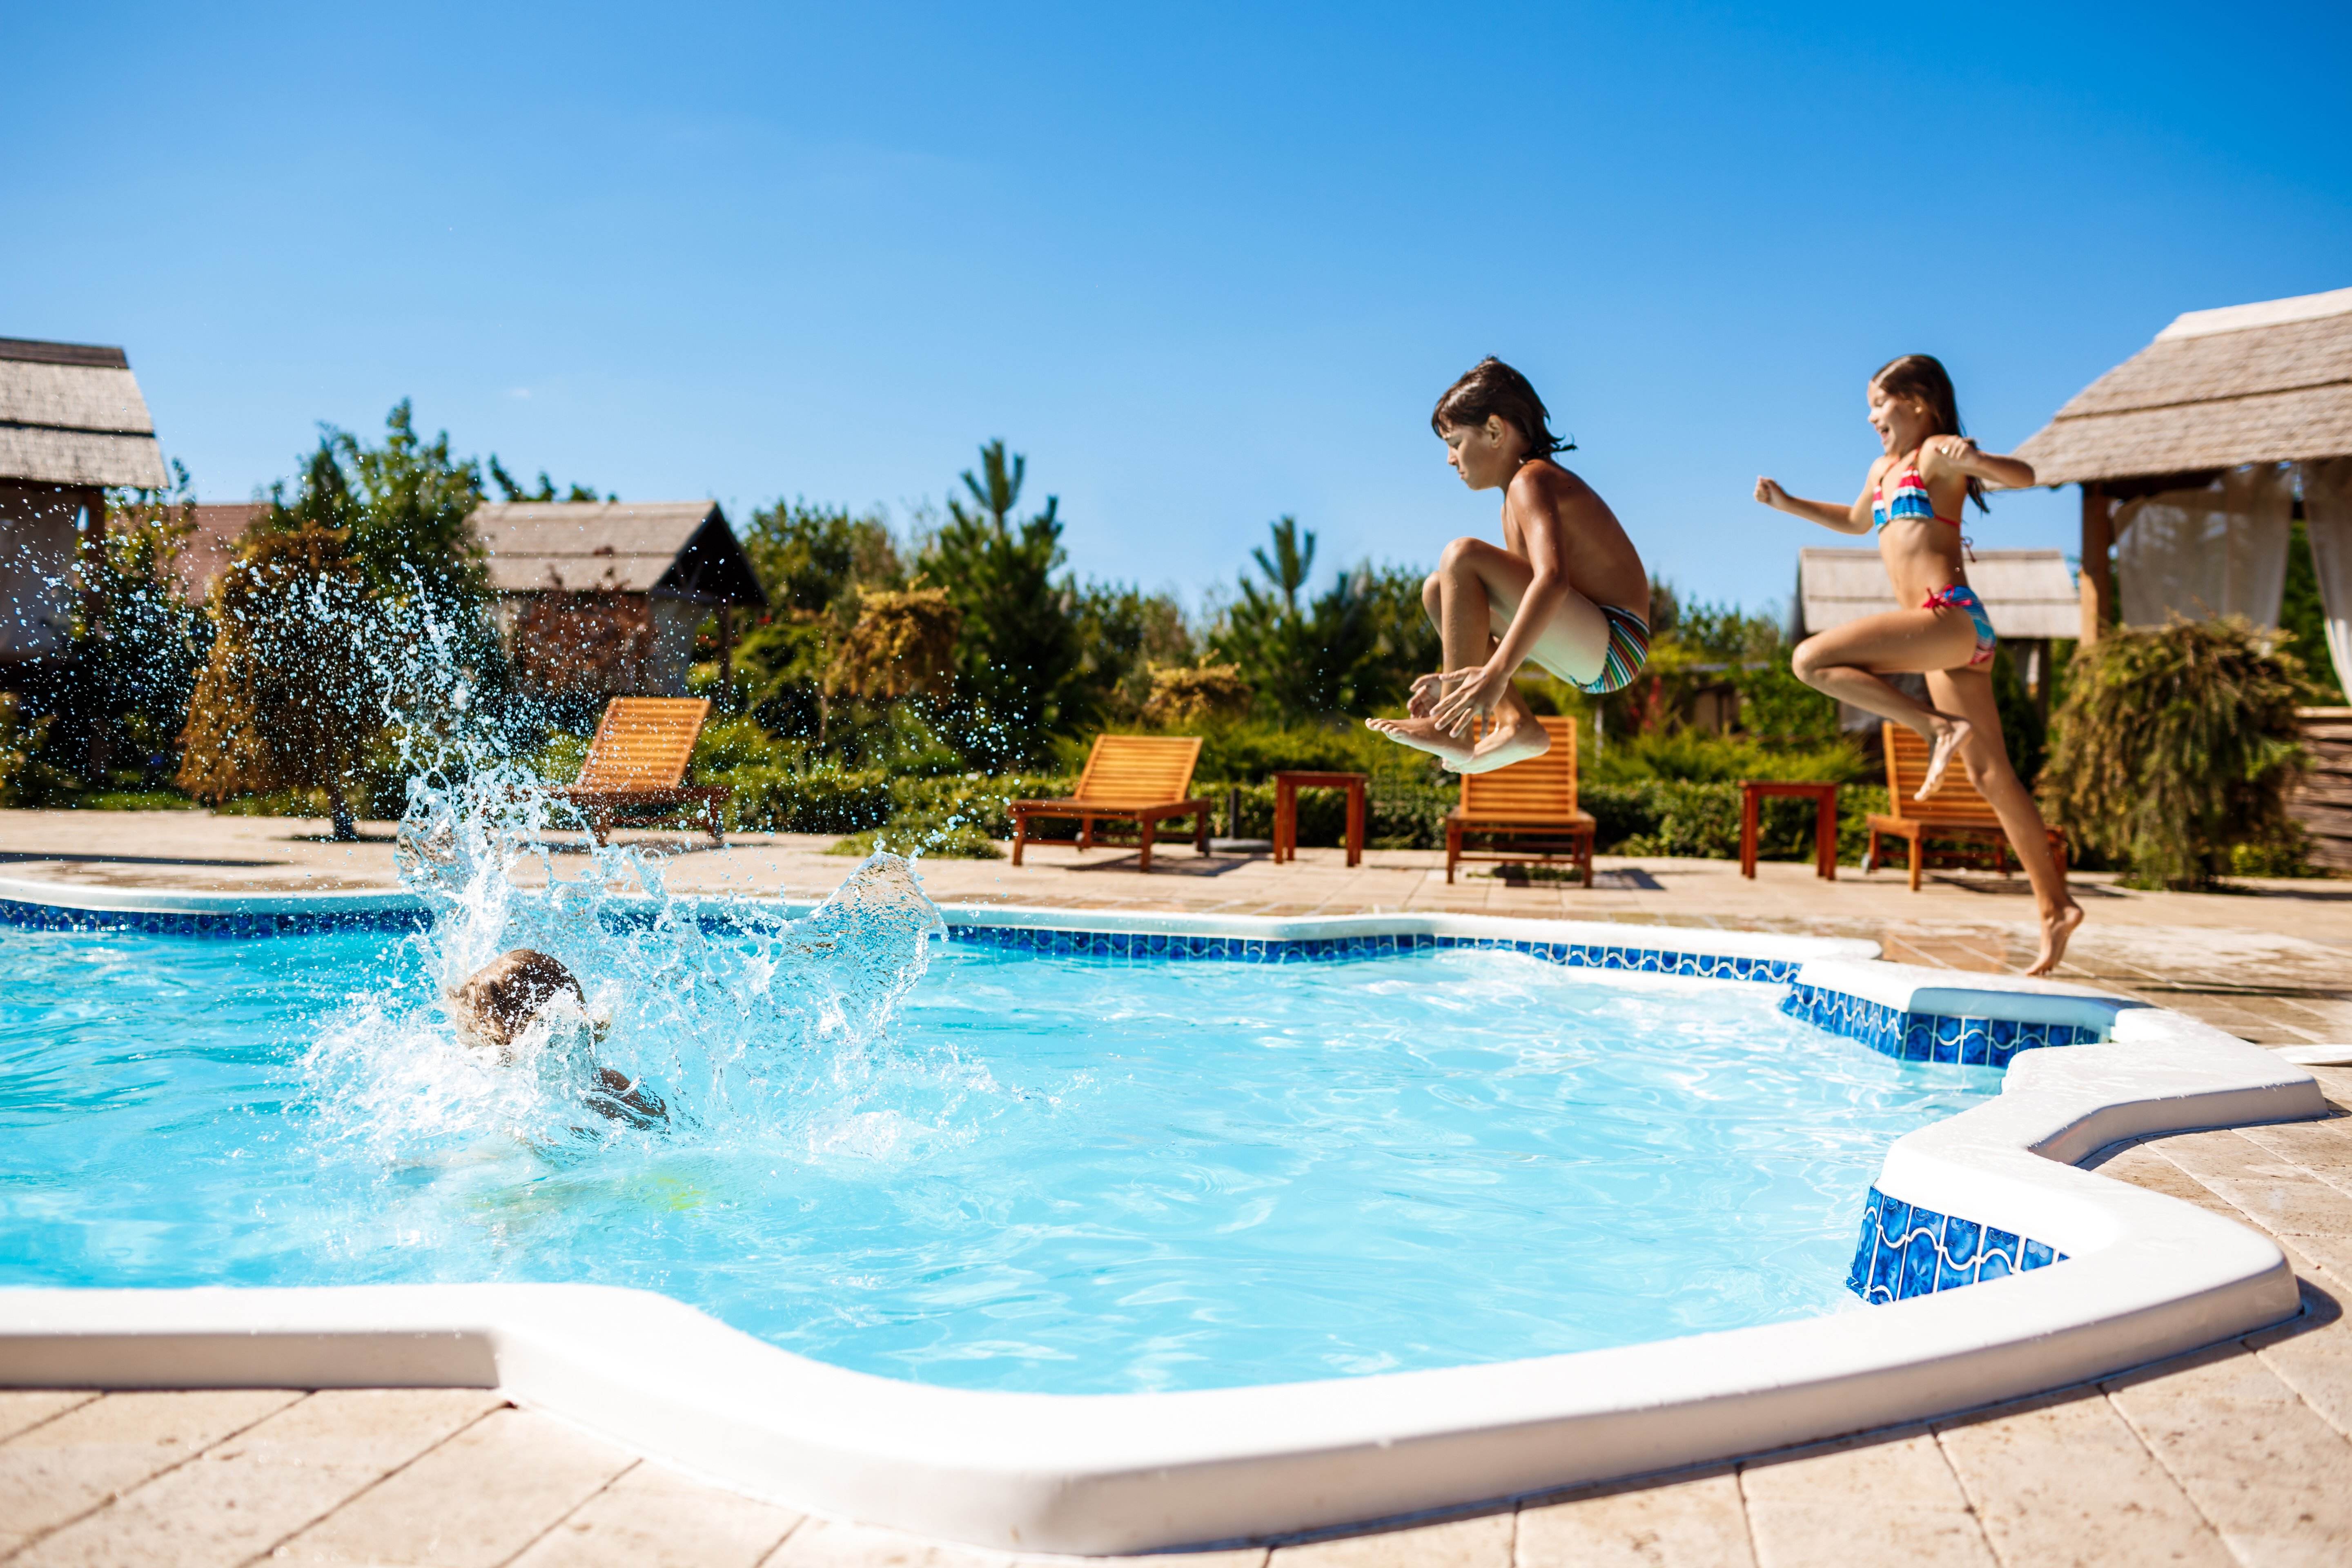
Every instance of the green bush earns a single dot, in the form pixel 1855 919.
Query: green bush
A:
pixel 2176 747
pixel 1700 820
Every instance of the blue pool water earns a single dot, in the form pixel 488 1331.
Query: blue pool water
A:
pixel 959 1165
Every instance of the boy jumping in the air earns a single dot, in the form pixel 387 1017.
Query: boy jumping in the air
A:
pixel 1567 589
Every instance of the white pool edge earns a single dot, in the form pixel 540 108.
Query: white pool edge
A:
pixel 2147 1277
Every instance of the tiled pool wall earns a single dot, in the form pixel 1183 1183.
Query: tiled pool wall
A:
pixel 1927 1036
pixel 1907 1250
pixel 1148 945
pixel 1903 1251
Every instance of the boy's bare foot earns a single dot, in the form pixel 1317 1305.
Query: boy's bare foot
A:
pixel 2055 930
pixel 1423 735
pixel 1504 746
pixel 1947 746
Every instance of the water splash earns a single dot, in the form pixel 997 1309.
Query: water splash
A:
pixel 743 1024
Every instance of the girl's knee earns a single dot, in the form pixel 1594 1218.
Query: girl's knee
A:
pixel 1806 662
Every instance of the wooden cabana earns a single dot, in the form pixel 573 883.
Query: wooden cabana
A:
pixel 601 599
pixel 2207 442
pixel 2265 383
pixel 72 425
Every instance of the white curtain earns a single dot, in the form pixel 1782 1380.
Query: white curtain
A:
pixel 2219 551
pixel 2328 517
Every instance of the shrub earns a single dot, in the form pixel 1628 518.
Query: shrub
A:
pixel 2175 747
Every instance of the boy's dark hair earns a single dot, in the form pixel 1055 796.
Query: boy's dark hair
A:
pixel 1493 387
pixel 1923 376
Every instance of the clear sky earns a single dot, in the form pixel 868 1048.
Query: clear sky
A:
pixel 1203 265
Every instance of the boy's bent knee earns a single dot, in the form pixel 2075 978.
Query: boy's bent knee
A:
pixel 1457 554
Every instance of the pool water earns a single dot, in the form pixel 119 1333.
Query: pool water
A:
pixel 961 1165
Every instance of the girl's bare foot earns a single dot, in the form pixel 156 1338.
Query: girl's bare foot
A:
pixel 1423 735
pixel 1953 736
pixel 1502 747
pixel 2056 928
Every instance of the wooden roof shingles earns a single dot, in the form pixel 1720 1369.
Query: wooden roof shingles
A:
pixel 682 550
pixel 2267 382
pixel 71 413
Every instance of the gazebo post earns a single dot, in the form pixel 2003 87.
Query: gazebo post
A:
pixel 2098 577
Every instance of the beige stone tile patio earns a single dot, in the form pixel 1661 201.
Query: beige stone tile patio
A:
pixel 653 1518
pixel 1694 1522
pixel 61 1469
pixel 475 1501
pixel 242 1497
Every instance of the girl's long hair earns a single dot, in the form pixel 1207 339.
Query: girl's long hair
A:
pixel 1923 376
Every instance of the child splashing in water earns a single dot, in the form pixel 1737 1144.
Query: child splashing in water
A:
pixel 1914 496
pixel 1567 590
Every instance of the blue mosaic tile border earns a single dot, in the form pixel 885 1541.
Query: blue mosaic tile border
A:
pixel 1907 1251
pixel 1149 945
pixel 210 924
pixel 1927 1036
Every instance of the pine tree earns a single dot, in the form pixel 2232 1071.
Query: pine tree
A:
pixel 1020 644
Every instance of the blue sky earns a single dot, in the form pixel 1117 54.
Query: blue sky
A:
pixel 1203 265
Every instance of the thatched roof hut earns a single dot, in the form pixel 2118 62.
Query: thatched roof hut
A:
pixel 2269 383
pixel 72 423
pixel 601 598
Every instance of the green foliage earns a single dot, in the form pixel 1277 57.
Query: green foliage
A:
pixel 2303 618
pixel 809 557
pixel 511 490
pixel 2175 746
pixel 288 699
pixel 1124 632
pixel 1354 651
pixel 1020 650
pixel 1773 702
pixel 1698 819
pixel 1695 757
pixel 27 779
pixel 2023 731
pixel 404 506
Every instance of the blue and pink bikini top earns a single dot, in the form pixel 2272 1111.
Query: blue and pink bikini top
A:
pixel 1911 499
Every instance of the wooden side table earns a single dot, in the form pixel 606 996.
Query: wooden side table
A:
pixel 1286 786
pixel 1825 829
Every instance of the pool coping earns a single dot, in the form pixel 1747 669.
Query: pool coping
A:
pixel 2146 1276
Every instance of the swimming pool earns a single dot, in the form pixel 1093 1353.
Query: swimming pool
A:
pixel 996 1466
pixel 1046 1172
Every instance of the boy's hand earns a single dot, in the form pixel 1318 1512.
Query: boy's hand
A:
pixel 1480 692
pixel 1770 492
pixel 1426 691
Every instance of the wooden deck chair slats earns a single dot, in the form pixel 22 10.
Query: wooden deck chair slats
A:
pixel 1525 812
pixel 1955 811
pixel 1143 779
pixel 637 762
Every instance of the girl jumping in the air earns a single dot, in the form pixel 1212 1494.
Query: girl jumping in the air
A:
pixel 1914 496
pixel 1566 590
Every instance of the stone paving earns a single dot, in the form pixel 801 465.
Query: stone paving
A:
pixel 2240 1453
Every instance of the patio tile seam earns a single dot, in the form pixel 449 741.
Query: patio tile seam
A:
pixel 92 1398
pixel 775 1554
pixel 560 1520
pixel 265 1554
pixel 111 1499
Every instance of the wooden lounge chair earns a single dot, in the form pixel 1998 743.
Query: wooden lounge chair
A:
pixel 1525 813
pixel 1140 779
pixel 637 762
pixel 1955 812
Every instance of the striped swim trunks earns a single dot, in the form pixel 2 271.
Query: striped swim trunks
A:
pixel 1629 649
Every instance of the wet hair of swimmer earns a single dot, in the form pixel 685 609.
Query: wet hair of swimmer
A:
pixel 505 995
pixel 1924 377
pixel 1490 387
